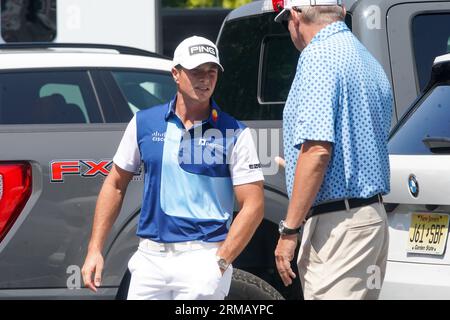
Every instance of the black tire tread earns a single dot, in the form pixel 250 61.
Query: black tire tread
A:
pixel 246 286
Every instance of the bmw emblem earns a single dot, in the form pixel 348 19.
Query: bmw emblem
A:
pixel 413 186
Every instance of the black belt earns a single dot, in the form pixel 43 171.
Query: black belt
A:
pixel 340 205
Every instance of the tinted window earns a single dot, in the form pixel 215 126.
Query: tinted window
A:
pixel 279 63
pixel 28 20
pixel 47 97
pixel 143 90
pixel 431 36
pixel 240 50
pixel 260 63
pixel 71 93
pixel 430 118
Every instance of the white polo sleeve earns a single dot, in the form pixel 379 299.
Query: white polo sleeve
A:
pixel 128 156
pixel 244 163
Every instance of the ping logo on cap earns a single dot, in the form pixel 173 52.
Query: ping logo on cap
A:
pixel 202 48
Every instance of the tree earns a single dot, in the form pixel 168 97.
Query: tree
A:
pixel 234 3
pixel 230 4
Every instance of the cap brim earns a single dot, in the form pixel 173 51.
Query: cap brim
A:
pixel 282 15
pixel 199 61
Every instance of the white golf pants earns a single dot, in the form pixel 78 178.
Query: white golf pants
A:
pixel 179 271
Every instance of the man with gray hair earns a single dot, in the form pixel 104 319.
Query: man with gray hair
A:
pixel 335 129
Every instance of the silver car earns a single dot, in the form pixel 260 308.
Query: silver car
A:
pixel 63 110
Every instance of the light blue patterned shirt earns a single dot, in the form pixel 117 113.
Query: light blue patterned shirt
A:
pixel 340 94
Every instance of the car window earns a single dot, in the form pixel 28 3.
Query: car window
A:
pixel 70 92
pixel 240 50
pixel 431 36
pixel 278 67
pixel 47 97
pixel 143 90
pixel 429 119
pixel 28 20
pixel 260 63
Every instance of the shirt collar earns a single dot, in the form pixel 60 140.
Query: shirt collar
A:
pixel 171 108
pixel 213 118
pixel 330 30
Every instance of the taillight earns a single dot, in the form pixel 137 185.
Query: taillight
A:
pixel 15 190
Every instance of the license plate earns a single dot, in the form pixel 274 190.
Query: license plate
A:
pixel 428 233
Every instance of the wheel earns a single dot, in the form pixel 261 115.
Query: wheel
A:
pixel 123 288
pixel 246 286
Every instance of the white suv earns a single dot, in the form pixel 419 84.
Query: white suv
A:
pixel 101 83
pixel 419 203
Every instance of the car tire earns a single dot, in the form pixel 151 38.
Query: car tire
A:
pixel 122 293
pixel 246 286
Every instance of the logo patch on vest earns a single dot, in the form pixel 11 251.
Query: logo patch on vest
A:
pixel 214 115
pixel 158 136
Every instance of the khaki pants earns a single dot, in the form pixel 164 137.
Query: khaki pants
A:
pixel 343 254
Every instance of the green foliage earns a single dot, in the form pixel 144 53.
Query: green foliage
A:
pixel 230 4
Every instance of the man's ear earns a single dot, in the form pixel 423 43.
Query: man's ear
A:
pixel 295 16
pixel 344 9
pixel 175 75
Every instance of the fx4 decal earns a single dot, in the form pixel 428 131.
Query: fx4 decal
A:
pixel 84 168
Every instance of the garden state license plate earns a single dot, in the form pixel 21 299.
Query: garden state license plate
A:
pixel 428 233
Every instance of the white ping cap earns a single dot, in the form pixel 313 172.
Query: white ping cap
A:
pixel 194 51
pixel 289 4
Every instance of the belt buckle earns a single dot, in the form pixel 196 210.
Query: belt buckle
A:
pixel 162 247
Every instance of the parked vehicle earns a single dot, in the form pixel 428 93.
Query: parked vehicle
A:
pixel 260 63
pixel 419 203
pixel 63 110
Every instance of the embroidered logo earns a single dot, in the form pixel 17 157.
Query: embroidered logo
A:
pixel 158 136
pixel 202 48
pixel 214 115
